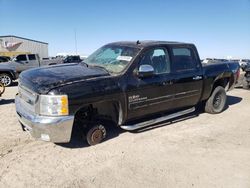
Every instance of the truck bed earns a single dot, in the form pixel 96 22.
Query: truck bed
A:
pixel 216 70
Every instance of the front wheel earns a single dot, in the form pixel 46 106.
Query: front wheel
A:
pixel 5 79
pixel 96 134
pixel 217 101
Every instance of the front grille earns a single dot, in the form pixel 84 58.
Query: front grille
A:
pixel 28 98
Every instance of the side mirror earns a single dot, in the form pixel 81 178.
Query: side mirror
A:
pixel 145 71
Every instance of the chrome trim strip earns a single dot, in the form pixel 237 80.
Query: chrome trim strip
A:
pixel 166 96
pixel 169 98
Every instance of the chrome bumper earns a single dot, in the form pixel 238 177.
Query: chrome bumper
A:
pixel 53 129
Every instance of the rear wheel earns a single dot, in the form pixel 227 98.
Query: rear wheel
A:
pixel 5 79
pixel 245 84
pixel 217 101
pixel 96 134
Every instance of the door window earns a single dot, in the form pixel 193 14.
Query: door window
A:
pixel 21 58
pixel 183 59
pixel 158 58
pixel 32 57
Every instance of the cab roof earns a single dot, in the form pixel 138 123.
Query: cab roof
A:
pixel 146 43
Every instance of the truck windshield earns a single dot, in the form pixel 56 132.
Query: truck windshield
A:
pixel 113 58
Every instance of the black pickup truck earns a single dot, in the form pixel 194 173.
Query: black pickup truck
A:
pixel 128 84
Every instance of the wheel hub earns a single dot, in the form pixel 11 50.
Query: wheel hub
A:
pixel 97 136
pixel 5 80
pixel 217 100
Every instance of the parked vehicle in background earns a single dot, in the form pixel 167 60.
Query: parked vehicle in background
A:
pixel 23 62
pixel 128 84
pixel 214 60
pixel 244 62
pixel 67 59
pixel 4 59
pixel 7 74
pixel 51 61
pixel 72 59
pixel 18 64
pixel 244 79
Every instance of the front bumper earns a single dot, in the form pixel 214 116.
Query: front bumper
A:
pixel 53 129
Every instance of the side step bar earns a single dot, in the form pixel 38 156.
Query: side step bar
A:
pixel 157 120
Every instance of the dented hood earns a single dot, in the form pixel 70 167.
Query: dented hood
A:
pixel 42 80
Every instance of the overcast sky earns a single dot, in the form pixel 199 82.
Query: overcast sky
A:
pixel 219 28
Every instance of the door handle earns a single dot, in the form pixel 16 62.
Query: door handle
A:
pixel 197 77
pixel 170 82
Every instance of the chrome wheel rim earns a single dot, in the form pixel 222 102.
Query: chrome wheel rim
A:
pixel 5 80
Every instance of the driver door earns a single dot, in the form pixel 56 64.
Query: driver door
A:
pixel 21 63
pixel 153 94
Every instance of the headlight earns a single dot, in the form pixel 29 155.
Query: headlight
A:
pixel 53 105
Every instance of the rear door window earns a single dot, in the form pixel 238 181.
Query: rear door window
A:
pixel 184 59
pixel 32 57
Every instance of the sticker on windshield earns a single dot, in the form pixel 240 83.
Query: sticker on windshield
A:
pixel 124 58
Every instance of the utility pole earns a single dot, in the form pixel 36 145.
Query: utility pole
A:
pixel 75 43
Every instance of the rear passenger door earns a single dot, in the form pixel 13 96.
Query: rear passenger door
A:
pixel 188 76
pixel 33 61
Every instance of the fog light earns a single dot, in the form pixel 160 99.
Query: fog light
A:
pixel 45 137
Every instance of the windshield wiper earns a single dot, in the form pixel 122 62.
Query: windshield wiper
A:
pixel 87 65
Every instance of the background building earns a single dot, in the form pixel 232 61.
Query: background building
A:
pixel 13 45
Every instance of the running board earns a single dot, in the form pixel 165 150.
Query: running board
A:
pixel 157 120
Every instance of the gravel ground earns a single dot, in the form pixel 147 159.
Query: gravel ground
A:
pixel 202 151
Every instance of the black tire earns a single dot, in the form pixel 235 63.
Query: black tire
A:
pixel 6 79
pixel 96 134
pixel 2 89
pixel 217 101
pixel 245 84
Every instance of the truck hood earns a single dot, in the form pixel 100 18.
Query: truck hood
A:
pixel 42 80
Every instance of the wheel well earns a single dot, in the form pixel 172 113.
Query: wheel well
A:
pixel 6 72
pixel 223 82
pixel 107 112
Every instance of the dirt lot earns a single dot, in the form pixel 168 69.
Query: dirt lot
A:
pixel 204 151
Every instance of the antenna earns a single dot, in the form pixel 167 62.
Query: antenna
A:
pixel 75 43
